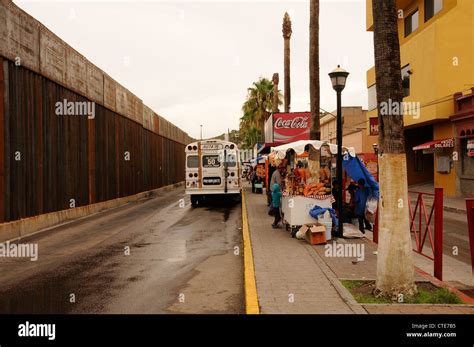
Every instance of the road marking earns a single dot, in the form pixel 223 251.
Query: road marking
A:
pixel 251 296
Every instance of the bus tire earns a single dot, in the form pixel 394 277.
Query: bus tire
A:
pixel 238 198
pixel 195 200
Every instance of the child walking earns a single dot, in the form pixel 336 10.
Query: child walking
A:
pixel 276 204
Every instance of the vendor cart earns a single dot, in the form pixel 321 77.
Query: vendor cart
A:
pixel 296 209
pixel 305 187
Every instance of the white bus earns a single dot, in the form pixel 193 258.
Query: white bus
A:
pixel 212 167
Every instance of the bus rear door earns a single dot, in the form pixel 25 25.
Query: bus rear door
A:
pixel 212 171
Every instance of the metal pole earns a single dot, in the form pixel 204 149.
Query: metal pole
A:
pixel 438 237
pixel 226 171
pixel 201 131
pixel 340 232
pixel 375 236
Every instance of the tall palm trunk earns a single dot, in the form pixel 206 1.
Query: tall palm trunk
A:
pixel 395 273
pixel 314 88
pixel 286 36
pixel 276 81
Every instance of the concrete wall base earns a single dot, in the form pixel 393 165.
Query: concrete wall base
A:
pixel 18 229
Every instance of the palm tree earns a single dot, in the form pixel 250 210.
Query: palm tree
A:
pixel 286 36
pixel 251 137
pixel 256 109
pixel 275 101
pixel 395 272
pixel 314 88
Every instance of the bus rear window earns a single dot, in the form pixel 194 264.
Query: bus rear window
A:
pixel 210 161
pixel 192 161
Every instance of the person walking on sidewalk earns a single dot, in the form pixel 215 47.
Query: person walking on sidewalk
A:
pixel 361 197
pixel 276 203
pixel 277 177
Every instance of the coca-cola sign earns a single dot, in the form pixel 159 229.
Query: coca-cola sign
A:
pixel 290 127
pixel 295 123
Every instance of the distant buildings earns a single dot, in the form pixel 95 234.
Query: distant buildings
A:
pixel 354 128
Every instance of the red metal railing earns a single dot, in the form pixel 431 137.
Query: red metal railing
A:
pixel 421 217
pixel 423 229
pixel 470 224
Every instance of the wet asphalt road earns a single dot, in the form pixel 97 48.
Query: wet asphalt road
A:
pixel 455 234
pixel 150 256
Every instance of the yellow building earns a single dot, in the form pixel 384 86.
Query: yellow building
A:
pixel 437 62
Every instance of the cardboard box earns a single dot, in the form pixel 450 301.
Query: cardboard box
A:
pixel 316 234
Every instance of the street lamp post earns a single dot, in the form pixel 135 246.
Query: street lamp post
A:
pixel 201 132
pixel 338 80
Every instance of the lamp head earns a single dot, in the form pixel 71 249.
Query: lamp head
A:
pixel 338 78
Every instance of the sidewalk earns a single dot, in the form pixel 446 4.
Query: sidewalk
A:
pixel 288 272
pixel 294 277
pixel 457 204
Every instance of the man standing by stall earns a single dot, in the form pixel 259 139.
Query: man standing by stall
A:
pixel 278 177
pixel 361 197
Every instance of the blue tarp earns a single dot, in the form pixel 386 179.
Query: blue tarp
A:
pixel 356 170
pixel 316 211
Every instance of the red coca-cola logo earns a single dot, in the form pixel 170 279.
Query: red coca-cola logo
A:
pixel 295 123
pixel 289 127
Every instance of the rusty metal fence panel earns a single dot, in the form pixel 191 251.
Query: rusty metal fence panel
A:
pixel 51 160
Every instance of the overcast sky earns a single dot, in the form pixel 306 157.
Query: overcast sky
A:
pixel 192 61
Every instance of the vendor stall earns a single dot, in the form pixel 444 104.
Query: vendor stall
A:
pixel 304 189
pixel 296 209
pixel 259 165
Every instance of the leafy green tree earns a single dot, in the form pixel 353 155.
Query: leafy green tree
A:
pixel 256 109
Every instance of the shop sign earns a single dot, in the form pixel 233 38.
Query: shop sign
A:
pixel 470 148
pixel 290 127
pixel 448 143
pixel 374 126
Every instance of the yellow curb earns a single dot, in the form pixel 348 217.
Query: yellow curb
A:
pixel 251 296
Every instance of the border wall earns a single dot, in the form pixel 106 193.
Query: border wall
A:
pixel 51 162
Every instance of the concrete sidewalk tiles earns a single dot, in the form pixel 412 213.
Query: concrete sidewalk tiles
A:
pixel 294 277
pixel 289 280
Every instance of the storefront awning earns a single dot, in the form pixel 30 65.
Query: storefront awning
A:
pixel 445 143
pixel 299 147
